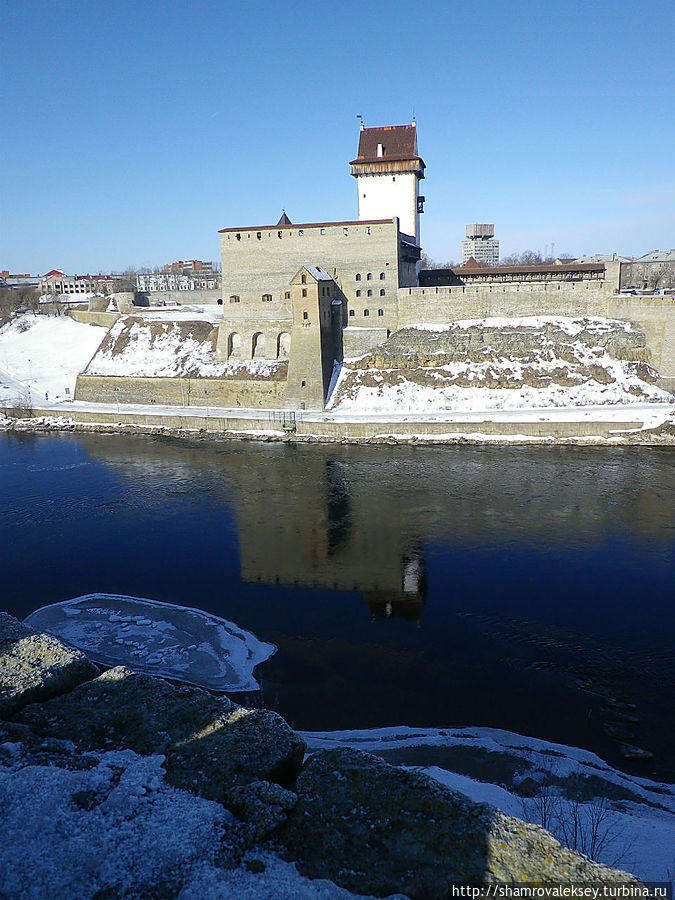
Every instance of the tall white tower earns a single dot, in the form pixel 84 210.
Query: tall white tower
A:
pixel 388 172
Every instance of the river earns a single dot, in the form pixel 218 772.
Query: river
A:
pixel 524 588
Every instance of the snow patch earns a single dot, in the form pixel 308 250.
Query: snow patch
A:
pixel 158 346
pixel 44 354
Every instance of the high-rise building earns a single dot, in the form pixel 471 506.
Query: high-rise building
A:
pixel 481 244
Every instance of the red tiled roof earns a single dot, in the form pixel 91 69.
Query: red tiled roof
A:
pixel 53 272
pixel 399 142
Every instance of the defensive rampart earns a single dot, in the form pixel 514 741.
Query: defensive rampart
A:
pixel 655 315
pixel 106 319
pixel 274 423
pixel 216 392
pixel 201 297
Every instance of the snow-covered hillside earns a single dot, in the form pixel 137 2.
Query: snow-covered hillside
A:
pixel 156 346
pixel 45 353
pixel 619 819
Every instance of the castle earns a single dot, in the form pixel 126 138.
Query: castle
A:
pixel 299 298
pixel 346 298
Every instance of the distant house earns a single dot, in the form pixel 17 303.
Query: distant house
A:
pixel 655 271
pixel 8 280
pixel 183 275
pixel 57 282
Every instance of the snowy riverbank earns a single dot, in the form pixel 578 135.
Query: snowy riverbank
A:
pixel 121 783
pixel 557 382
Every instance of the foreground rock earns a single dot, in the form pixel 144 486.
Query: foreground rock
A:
pixel 36 666
pixel 210 743
pixel 98 785
pixel 374 828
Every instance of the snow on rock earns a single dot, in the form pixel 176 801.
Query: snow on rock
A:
pixel 500 363
pixel 157 638
pixel 45 353
pixel 116 828
pixel 155 346
pixel 631 819
pixel 35 666
pixel 107 823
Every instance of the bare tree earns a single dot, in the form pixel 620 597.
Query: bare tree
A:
pixel 531 258
pixel 428 263
pixel 585 825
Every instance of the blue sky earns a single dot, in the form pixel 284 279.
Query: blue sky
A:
pixel 132 131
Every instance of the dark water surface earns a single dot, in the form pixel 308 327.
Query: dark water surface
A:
pixel 525 588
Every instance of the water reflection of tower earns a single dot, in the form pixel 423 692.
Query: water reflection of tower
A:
pixel 329 528
pixel 407 602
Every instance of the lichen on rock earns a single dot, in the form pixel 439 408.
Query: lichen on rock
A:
pixel 209 742
pixel 374 828
pixel 36 666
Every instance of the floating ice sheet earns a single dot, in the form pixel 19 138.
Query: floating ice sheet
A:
pixel 158 639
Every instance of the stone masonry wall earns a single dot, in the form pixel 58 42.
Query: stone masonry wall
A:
pixel 216 392
pixel 106 319
pixel 184 298
pixel 275 338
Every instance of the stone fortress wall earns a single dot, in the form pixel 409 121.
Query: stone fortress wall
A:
pixel 655 315
pixel 226 393
pixel 367 260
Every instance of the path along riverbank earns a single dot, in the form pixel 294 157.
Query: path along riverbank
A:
pixel 643 423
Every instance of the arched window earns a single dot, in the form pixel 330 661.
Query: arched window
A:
pixel 380 312
pixel 369 276
pixel 370 293
pixel 234 345
pixel 358 293
pixel 234 298
pixel 283 345
pixel 258 345
pixel 351 312
pixel 267 298
pixel 382 292
pixel 366 312
pixel 358 276
pixel 303 279
pixel 381 276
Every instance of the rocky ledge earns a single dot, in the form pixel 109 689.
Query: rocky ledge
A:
pixel 131 786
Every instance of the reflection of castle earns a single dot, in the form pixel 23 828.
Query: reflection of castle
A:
pixel 360 519
pixel 323 534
